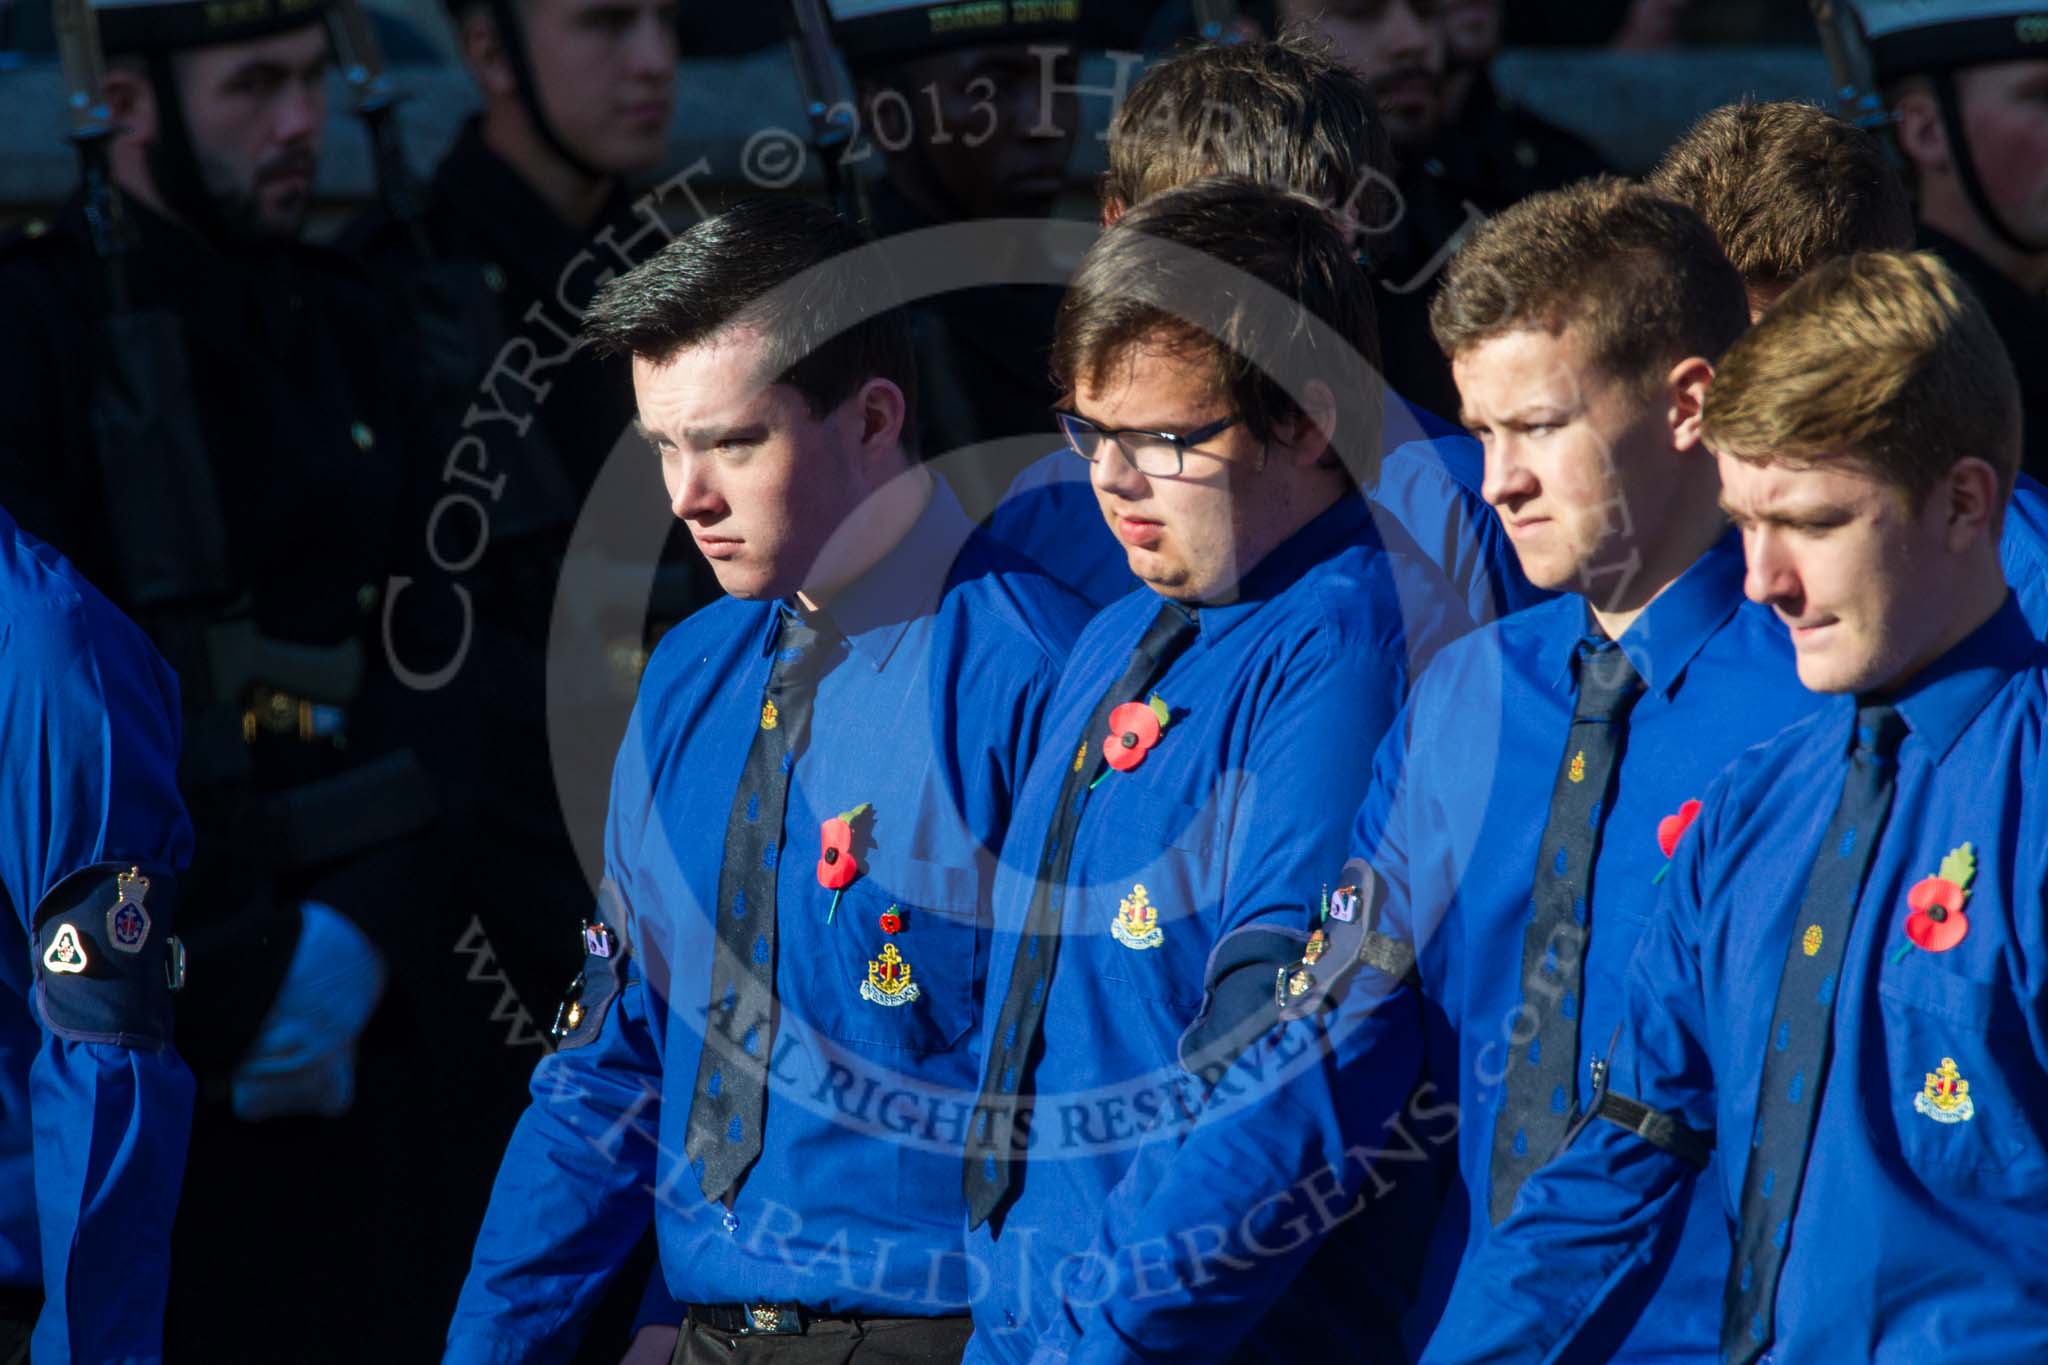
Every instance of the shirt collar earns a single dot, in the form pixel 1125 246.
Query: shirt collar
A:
pixel 1326 533
pixel 874 610
pixel 1664 639
pixel 1946 696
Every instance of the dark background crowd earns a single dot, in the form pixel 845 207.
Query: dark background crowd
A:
pixel 413 590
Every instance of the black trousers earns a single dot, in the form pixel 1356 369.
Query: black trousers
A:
pixel 870 1341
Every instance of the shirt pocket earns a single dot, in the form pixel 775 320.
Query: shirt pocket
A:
pixel 1965 1102
pixel 915 990
pixel 1151 930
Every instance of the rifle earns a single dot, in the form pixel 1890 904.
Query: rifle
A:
pixel 362 66
pixel 827 101
pixel 92 132
pixel 1213 20
pixel 1848 54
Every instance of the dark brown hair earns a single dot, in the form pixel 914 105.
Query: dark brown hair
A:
pixel 1639 276
pixel 1785 186
pixel 1285 112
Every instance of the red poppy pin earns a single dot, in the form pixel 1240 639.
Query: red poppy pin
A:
pixel 1937 921
pixel 837 865
pixel 1670 830
pixel 892 921
pixel 1134 728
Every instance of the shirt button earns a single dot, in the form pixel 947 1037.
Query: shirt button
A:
pixel 1009 1318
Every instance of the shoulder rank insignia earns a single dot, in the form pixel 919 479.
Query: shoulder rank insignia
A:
pixel 888 980
pixel 1945 1097
pixel 1137 922
pixel 597 939
pixel 127 920
pixel 1577 772
pixel 67 951
pixel 770 717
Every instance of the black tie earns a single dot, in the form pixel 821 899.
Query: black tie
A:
pixel 990 1149
pixel 1802 1028
pixel 1540 1088
pixel 731 1098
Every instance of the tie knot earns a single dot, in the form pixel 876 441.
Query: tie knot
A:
pixel 1879 732
pixel 798 646
pixel 1169 628
pixel 1608 682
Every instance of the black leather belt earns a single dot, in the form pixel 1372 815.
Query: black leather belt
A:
pixel 753 1319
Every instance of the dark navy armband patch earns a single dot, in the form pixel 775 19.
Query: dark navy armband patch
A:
pixel 104 953
pixel 1349 937
pixel 580 1016
pixel 1237 997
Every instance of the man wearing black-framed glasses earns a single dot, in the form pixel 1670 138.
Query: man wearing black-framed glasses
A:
pixel 1217 349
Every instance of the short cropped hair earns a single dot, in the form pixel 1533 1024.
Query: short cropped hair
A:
pixel 1282 112
pixel 825 339
pixel 1639 276
pixel 1884 359
pixel 1785 186
pixel 1172 274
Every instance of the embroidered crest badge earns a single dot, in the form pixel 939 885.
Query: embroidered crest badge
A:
pixel 1945 1097
pixel 770 716
pixel 888 980
pixel 67 951
pixel 1809 942
pixel 597 939
pixel 1577 772
pixel 1137 922
pixel 127 919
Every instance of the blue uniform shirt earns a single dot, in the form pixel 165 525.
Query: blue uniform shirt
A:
pixel 92 1143
pixel 928 716
pixel 1428 493
pixel 1452 827
pixel 1918 1227
pixel 2023 547
pixel 1225 825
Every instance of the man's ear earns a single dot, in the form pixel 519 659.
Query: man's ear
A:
pixel 1922 139
pixel 131 100
pixel 1112 209
pixel 483 52
pixel 1686 398
pixel 1974 504
pixel 881 409
pixel 1308 434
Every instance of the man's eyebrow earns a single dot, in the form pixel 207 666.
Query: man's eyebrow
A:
pixel 711 436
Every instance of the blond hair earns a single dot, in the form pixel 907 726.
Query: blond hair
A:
pixel 1885 359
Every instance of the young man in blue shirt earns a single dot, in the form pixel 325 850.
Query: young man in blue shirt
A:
pixel 1843 981
pixel 772 1049
pixel 93 834
pixel 1283 112
pixel 1525 805
pixel 1201 755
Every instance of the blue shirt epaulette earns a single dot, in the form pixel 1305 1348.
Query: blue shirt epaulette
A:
pixel 1929 1152
pixel 1429 490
